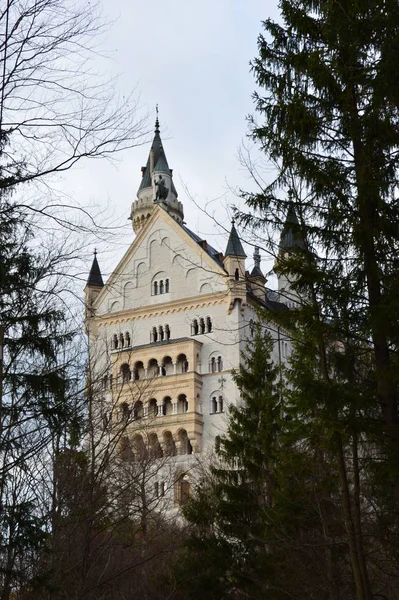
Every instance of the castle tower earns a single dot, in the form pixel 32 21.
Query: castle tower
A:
pixel 234 263
pixel 257 279
pixel 156 187
pixel 291 241
pixel 93 287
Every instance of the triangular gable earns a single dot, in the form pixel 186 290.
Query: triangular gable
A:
pixel 202 259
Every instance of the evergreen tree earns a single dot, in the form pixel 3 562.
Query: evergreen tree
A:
pixel 331 126
pixel 261 518
pixel 35 405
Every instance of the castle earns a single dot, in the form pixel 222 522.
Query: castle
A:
pixel 169 326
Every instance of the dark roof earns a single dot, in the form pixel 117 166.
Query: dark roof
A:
pixel 160 162
pixel 234 246
pixel 215 254
pixel 95 277
pixel 268 302
pixel 291 235
pixel 256 272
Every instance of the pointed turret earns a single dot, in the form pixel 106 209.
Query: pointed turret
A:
pixel 156 186
pixel 291 237
pixel 234 263
pixel 95 278
pixel 257 279
pixel 234 246
pixel 291 240
pixel 93 287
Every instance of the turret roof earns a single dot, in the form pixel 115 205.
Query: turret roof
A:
pixel 160 161
pixel 95 278
pixel 291 237
pixel 234 246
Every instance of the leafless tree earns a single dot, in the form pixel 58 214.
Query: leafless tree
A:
pixel 54 108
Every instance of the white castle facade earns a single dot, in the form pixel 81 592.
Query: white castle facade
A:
pixel 167 329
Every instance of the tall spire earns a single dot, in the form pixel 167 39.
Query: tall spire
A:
pixel 156 186
pixel 95 278
pixel 157 119
pixel 234 246
pixel 256 271
pixel 291 236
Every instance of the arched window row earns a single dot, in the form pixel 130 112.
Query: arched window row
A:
pixel 136 448
pixel 216 364
pixel 154 368
pixel 217 404
pixel 120 341
pixel 152 409
pixel 162 286
pixel 201 326
pixel 160 333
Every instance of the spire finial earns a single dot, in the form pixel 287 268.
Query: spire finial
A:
pixel 95 252
pixel 257 257
pixel 157 119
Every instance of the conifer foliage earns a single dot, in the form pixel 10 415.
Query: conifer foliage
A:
pixel 330 122
pixel 259 519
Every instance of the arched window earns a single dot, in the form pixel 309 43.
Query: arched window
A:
pixel 185 444
pixel 127 340
pixel 167 332
pixel 212 365
pixel 155 288
pixel 125 448
pixel 125 372
pixel 220 404
pixel 220 363
pixel 161 287
pixel 110 382
pixel 161 333
pixel 182 364
pixel 115 342
pixel 167 406
pixel 121 340
pixel 209 324
pixel 251 328
pixel 236 274
pixel 214 405
pixel 105 382
pixel 202 326
pixel 138 371
pixel 182 404
pixel 138 410
pixel 169 444
pixel 124 412
pixel 155 446
pixel 152 408
pixel 194 327
pixel 167 286
pixel 154 334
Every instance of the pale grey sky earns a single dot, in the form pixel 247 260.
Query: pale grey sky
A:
pixel 192 58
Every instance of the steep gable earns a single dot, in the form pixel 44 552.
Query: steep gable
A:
pixel 165 263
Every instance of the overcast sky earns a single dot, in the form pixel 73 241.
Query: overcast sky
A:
pixel 192 58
